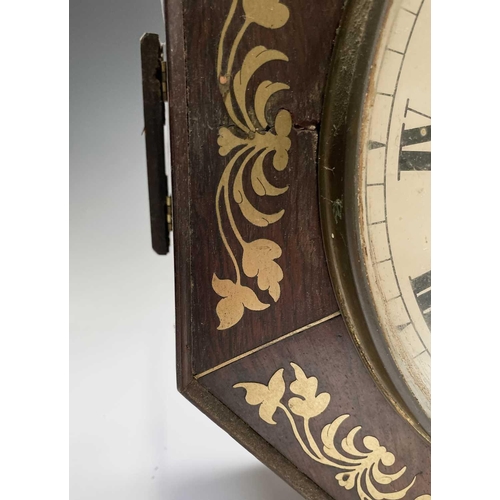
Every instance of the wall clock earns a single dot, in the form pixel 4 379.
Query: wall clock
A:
pixel 300 203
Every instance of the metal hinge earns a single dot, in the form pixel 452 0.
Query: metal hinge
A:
pixel 164 88
pixel 169 213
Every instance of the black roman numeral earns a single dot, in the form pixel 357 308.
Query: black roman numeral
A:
pixel 421 286
pixel 414 161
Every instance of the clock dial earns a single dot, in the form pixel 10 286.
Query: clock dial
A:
pixel 394 195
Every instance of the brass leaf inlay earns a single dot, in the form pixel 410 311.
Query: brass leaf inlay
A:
pixel 249 143
pixel 359 470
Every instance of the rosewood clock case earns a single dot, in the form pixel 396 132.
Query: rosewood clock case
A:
pixel 274 342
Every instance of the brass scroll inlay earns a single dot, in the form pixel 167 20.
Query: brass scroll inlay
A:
pixel 358 469
pixel 249 142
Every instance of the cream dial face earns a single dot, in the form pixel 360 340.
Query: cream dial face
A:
pixel 394 195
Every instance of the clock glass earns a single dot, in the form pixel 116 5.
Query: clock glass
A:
pixel 394 192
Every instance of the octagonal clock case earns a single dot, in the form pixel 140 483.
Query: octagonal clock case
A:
pixel 301 170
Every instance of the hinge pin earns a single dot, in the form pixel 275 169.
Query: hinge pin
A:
pixel 164 80
pixel 169 212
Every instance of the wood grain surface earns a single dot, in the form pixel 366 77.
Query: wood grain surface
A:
pixel 306 289
pixel 154 123
pixel 327 353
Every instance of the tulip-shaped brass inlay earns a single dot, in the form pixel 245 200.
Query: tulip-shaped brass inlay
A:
pixel 358 469
pixel 249 142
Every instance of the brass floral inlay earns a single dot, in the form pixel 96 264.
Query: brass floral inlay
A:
pixel 250 142
pixel 358 469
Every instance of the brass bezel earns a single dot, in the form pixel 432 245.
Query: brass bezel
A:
pixel 347 94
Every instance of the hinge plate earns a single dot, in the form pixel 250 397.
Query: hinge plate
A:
pixel 164 80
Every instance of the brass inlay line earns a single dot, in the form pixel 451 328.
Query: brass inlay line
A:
pixel 267 344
